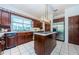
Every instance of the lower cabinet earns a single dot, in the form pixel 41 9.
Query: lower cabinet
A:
pixel 0 48
pixel 20 38
pixel 24 37
pixel 2 43
pixel 28 37
pixel 44 45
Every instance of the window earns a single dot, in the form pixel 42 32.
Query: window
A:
pixel 20 23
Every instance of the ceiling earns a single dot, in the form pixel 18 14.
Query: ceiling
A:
pixel 37 10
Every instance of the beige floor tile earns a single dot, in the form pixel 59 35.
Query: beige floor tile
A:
pixel 7 52
pixel 28 49
pixel 14 49
pixel 15 53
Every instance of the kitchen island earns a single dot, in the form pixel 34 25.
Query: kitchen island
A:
pixel 44 42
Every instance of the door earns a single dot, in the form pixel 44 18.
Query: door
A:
pixel 74 30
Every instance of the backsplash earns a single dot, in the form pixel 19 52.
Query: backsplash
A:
pixel 37 29
pixel 3 30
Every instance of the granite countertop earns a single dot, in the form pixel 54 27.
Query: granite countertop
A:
pixel 13 32
pixel 16 31
pixel 38 33
pixel 44 33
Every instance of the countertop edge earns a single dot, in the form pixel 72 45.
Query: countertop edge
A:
pixel 45 34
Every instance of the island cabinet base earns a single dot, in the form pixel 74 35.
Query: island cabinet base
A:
pixel 44 45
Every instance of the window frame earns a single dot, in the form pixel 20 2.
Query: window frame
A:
pixel 27 19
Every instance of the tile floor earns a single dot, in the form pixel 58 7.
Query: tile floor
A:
pixel 28 49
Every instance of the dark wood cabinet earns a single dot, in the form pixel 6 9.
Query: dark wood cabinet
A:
pixel 16 40
pixel 20 38
pixel 24 37
pixel 44 45
pixel 73 29
pixel 0 17
pixel 59 20
pixel 37 24
pixel 6 18
pixel 0 47
pixel 28 37
pixel 47 27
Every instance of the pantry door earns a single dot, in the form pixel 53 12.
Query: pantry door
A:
pixel 74 29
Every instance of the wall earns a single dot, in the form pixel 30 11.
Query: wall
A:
pixel 10 7
pixel 59 16
pixel 7 7
pixel 70 12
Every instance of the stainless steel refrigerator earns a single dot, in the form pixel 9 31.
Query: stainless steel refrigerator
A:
pixel 59 28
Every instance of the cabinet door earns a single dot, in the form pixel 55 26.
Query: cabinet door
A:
pixel 37 24
pixel 0 16
pixel 58 20
pixel 28 37
pixel 74 30
pixel 47 27
pixel 16 40
pixel 6 18
pixel 0 47
pixel 20 38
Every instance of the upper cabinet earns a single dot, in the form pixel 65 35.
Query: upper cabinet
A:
pixel 47 27
pixel 6 18
pixel 0 16
pixel 58 20
pixel 37 24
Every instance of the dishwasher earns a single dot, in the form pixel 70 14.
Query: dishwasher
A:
pixel 10 40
